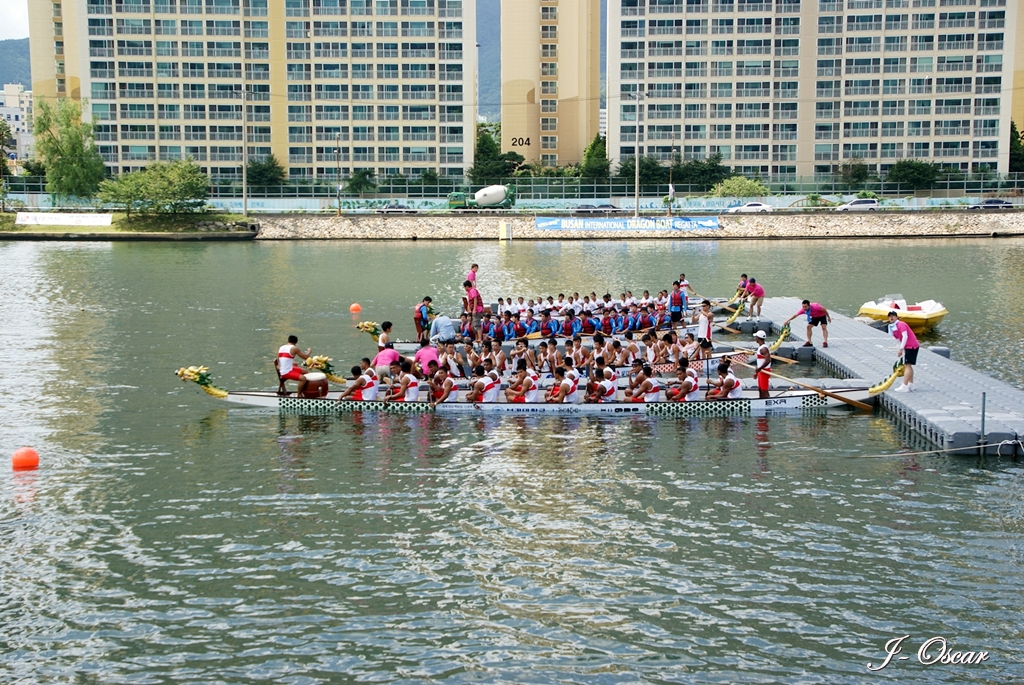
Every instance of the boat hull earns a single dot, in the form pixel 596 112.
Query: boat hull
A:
pixel 791 402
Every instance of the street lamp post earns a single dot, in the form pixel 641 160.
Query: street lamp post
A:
pixel 671 164
pixel 337 163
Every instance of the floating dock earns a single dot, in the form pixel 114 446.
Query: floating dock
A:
pixel 946 405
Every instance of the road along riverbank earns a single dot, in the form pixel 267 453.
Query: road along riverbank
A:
pixel 820 225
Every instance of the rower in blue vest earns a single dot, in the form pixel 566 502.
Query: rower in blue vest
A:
pixel 530 324
pixel 676 303
pixel 549 328
pixel 618 322
pixel 573 325
pixel 508 327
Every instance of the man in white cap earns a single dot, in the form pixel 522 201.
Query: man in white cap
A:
pixel 763 364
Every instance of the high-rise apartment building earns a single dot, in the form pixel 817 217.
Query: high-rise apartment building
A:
pixel 550 78
pixel 327 86
pixel 16 110
pixel 796 87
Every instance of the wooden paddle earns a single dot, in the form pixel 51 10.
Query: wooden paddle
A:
pixel 749 351
pixel 821 391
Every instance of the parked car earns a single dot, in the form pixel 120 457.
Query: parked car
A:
pixel 992 203
pixel 599 209
pixel 751 207
pixel 861 205
pixel 396 208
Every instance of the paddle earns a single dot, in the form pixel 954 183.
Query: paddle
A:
pixel 749 351
pixel 821 391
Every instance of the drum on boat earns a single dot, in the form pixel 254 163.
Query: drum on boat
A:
pixel 316 385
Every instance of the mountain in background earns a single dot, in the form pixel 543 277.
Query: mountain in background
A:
pixel 14 62
pixel 488 34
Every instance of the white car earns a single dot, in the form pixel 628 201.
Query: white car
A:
pixel 751 207
pixel 861 205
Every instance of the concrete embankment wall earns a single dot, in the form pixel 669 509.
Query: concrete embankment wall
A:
pixel 486 227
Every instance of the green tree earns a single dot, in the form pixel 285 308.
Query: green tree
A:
pixel 854 173
pixel 429 178
pixel 489 162
pixel 703 173
pixel 595 159
pixel 65 143
pixel 651 171
pixel 177 187
pixel 914 173
pixel 1016 150
pixel 33 167
pixel 361 181
pixel 740 186
pixel 268 172
pixel 7 144
pixel 127 191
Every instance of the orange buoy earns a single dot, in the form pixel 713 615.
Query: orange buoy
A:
pixel 355 307
pixel 25 459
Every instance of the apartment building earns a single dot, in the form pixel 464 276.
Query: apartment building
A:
pixel 788 88
pixel 550 78
pixel 16 110
pixel 327 86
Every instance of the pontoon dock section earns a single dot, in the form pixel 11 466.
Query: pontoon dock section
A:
pixel 946 407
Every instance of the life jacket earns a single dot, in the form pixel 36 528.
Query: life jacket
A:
pixel 588 326
pixel 675 301
pixel 607 325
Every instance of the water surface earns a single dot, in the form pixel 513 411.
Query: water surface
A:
pixel 171 538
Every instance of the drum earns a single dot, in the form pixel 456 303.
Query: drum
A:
pixel 316 385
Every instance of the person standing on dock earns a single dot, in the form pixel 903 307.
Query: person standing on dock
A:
pixel 755 298
pixel 471 276
pixel 763 367
pixel 908 349
pixel 816 315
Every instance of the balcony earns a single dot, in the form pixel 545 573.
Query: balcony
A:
pixel 956 23
pixel 826 114
pixel 986 111
pixel 230 73
pixel 753 93
pixel 136 94
pixel 864 26
pixel 860 133
pixel 826 135
pixel 991 45
pixel 674 73
pixel 953 131
pixel 101 73
pixel 783 114
pixel 862 90
pixel 918 111
pixel 951 152
pixel 825 156
pixel 893 111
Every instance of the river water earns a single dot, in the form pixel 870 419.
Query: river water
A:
pixel 170 538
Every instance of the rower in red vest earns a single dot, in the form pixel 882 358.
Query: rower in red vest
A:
pixel 607 323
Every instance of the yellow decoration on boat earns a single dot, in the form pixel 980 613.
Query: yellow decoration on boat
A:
pixel 322 363
pixel 201 376
pixel 736 314
pixel 370 327
pixel 782 337
pixel 887 383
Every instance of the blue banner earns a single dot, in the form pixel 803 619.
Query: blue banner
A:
pixel 661 223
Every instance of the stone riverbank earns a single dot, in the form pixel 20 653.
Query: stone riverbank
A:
pixel 732 227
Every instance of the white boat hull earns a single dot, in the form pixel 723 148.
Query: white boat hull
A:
pixel 788 402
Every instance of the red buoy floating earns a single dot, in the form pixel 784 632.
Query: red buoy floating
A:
pixel 355 308
pixel 25 459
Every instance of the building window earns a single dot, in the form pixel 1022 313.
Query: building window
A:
pixel 549 160
pixel 549 50
pixel 548 124
pixel 549 32
pixel 548 69
pixel 549 87
pixel 548 106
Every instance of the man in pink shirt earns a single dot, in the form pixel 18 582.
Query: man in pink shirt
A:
pixel 816 315
pixel 426 354
pixel 908 349
pixel 471 276
pixel 755 298
pixel 384 359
